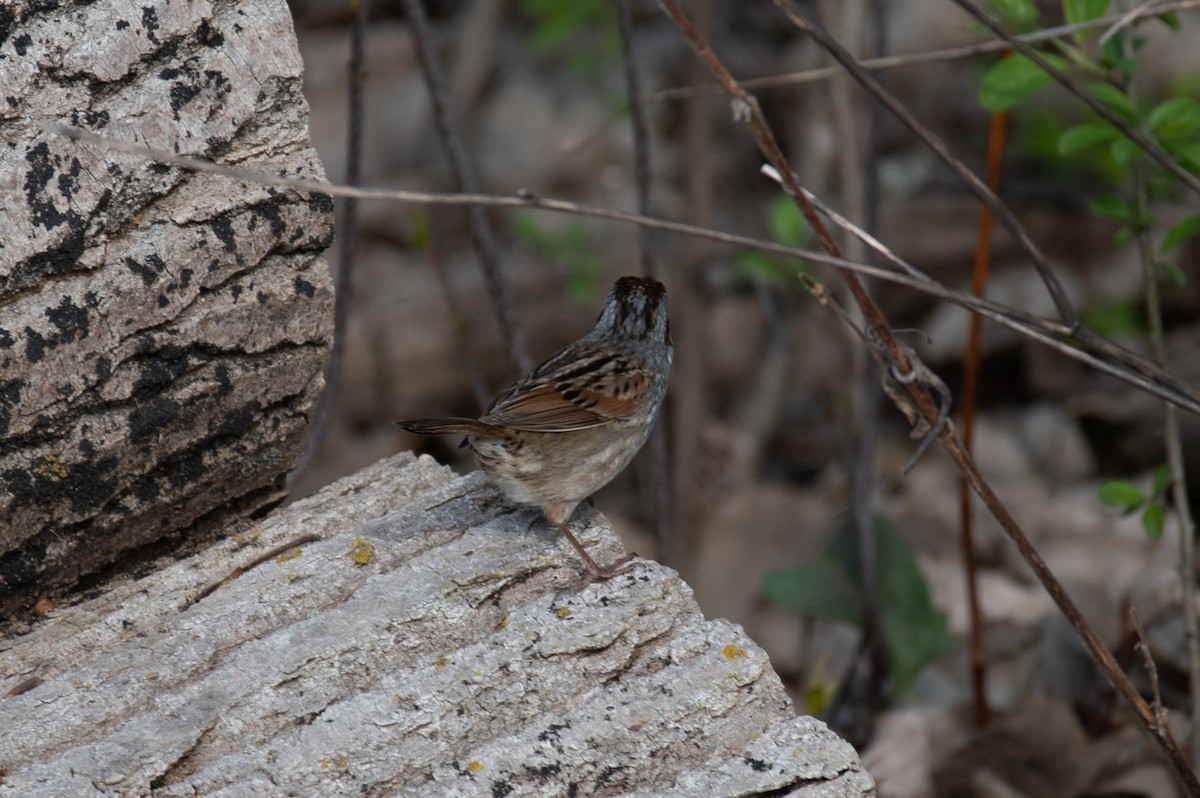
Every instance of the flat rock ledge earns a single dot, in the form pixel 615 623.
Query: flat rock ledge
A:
pixel 402 632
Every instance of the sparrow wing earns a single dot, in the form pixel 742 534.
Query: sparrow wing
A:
pixel 578 388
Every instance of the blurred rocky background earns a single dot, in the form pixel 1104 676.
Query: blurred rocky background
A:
pixel 761 432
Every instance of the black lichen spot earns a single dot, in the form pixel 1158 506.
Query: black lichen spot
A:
pixel 305 287
pixel 8 18
pixel 223 229
pixel 263 297
pixel 103 368
pixel 238 423
pixel 552 732
pixel 148 418
pixel 90 484
pixel 122 24
pixel 10 397
pixel 19 568
pixel 757 765
pixel 185 277
pixel 321 203
pixel 68 181
pixel 6 339
pixel 187 467
pixel 181 94
pixel 545 771
pixel 273 216
pixel 226 385
pixel 35 345
pixel 59 259
pixel 501 788
pixel 146 489
pixel 149 270
pixel 22 42
pixel 150 23
pixel 42 168
pixel 235 291
pixel 159 368
pixel 163 301
pixel 19 485
pixel 169 73
pixel 208 35
pixel 70 320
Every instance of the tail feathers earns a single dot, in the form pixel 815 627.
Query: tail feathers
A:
pixel 448 426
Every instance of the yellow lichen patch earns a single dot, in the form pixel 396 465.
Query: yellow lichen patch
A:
pixel 442 662
pixel 362 552
pixel 151 676
pixel 474 766
pixel 340 762
pixel 731 652
pixel 564 612
pixel 50 465
pixel 290 554
pixel 503 623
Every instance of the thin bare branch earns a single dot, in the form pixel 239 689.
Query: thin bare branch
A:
pixel 1106 356
pixel 483 240
pixel 343 286
pixel 939 148
pixel 932 56
pixel 641 139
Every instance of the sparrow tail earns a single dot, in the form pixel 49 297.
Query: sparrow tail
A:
pixel 450 426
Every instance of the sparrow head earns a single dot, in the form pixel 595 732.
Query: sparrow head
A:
pixel 636 308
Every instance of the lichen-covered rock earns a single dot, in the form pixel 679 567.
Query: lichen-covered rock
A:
pixel 402 633
pixel 162 334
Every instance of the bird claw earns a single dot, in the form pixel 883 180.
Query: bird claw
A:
pixel 601 574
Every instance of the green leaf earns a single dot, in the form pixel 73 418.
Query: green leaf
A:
pixel 1113 319
pixel 1116 100
pixel 1178 116
pixel 1121 493
pixel 422 232
pixel 1180 233
pixel 1021 14
pixel 1084 10
pixel 525 226
pixel 756 264
pixel 916 632
pixel 1085 135
pixel 822 590
pixel 1110 206
pixel 1013 79
pixel 1170 19
pixel 1187 153
pixel 785 221
pixel 1153 520
pixel 1123 150
pixel 1175 273
pixel 1162 478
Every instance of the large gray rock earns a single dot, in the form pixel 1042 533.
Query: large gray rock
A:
pixel 411 643
pixel 162 334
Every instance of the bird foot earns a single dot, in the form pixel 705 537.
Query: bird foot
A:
pixel 605 572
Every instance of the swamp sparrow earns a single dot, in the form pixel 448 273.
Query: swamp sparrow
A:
pixel 563 432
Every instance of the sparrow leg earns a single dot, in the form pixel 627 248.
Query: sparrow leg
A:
pixel 595 573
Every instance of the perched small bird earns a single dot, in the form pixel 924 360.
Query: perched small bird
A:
pixel 564 431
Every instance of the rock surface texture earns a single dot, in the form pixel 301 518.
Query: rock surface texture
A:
pixel 411 642
pixel 162 334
